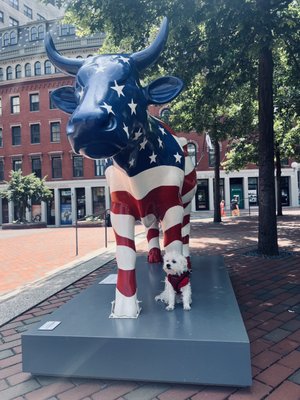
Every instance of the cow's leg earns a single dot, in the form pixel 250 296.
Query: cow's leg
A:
pixel 126 303
pixel 172 226
pixel 154 253
pixel 186 227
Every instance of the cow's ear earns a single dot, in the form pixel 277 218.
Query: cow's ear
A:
pixel 65 99
pixel 163 90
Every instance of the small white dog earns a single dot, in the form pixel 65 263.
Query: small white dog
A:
pixel 177 282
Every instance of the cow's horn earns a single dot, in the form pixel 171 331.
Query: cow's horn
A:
pixel 146 57
pixel 65 64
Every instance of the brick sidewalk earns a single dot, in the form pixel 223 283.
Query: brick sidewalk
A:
pixel 30 255
pixel 267 291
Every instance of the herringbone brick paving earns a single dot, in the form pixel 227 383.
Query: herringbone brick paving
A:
pixel 268 293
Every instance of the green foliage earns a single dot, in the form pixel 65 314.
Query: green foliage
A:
pixel 22 189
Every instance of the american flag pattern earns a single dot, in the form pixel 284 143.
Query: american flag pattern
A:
pixel 156 183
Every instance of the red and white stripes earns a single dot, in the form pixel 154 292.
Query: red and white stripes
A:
pixel 160 194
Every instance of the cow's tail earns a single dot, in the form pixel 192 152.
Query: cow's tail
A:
pixel 188 193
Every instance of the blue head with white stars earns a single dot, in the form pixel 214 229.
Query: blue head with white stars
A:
pixel 108 103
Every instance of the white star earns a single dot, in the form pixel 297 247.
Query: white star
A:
pixel 153 158
pixel 125 128
pixel 132 106
pixel 131 162
pixel 160 142
pixel 124 59
pixel 118 89
pixel 178 157
pixel 143 144
pixel 108 108
pixel 138 134
pixel 162 130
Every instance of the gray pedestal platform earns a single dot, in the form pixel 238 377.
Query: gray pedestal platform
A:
pixel 207 345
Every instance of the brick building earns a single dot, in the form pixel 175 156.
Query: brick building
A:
pixel 32 135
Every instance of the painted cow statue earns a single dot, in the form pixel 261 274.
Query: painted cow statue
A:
pixel 150 175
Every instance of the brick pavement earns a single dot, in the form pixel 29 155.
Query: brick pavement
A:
pixel 267 291
pixel 30 255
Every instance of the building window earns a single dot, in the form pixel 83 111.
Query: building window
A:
pixel 18 71
pixel 253 191
pixel 48 67
pixel 37 68
pixel 39 17
pixel 192 152
pixel 15 104
pixel 36 167
pixel 13 38
pixel 56 167
pixel 27 70
pixel 40 32
pixel 55 132
pixel 98 194
pixel 99 167
pixel 6 39
pixel 165 115
pixel 34 100
pixel 9 73
pixel 1 137
pixel 52 106
pixel 17 165
pixel 14 4
pixel 67 29
pixel 1 16
pixel 1 74
pixel 35 133
pixel 1 170
pixel 13 22
pixel 0 106
pixel 77 166
pixel 33 33
pixel 27 11
pixel 16 135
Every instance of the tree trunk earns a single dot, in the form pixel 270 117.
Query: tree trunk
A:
pixel 278 181
pixel 267 230
pixel 217 196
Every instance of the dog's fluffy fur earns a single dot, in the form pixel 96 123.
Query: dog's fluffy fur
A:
pixel 177 282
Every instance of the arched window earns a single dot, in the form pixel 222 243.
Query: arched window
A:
pixel 27 70
pixel 1 74
pixel 165 115
pixel 37 68
pixel 6 39
pixel 41 32
pixel 9 73
pixel 33 33
pixel 18 71
pixel 192 152
pixel 13 37
pixel 48 67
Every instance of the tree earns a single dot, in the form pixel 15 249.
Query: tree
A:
pixel 22 189
pixel 244 148
pixel 231 39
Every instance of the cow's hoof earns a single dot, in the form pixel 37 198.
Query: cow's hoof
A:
pixel 154 256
